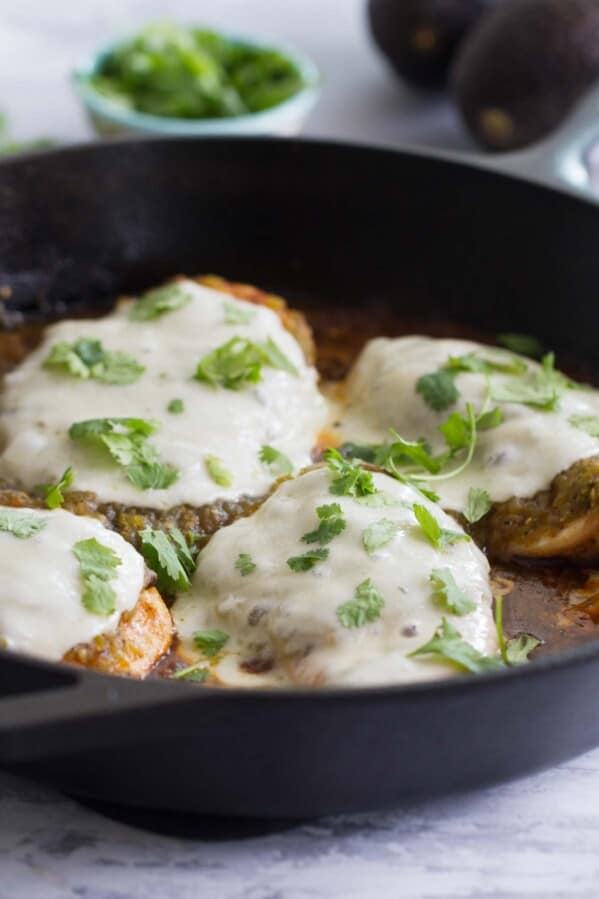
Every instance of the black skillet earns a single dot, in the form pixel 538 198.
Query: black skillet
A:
pixel 321 224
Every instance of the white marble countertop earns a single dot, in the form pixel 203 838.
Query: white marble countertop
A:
pixel 534 838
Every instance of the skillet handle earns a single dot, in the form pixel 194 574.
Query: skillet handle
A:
pixel 561 160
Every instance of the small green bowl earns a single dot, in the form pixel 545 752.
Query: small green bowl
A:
pixel 286 118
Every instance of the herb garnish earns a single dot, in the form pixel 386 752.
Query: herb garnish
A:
pixel 87 358
pixel 239 362
pixel 332 523
pixel 447 645
pixel 245 564
pixel 541 390
pixel 516 650
pixel 522 343
pixel 158 301
pixel 54 497
pixel 479 503
pixel 470 362
pixel 176 407
pixel 98 564
pixel 235 314
pixel 448 595
pixel 349 480
pixel 197 673
pixel 210 642
pixel 170 557
pixel 278 463
pixel 587 423
pixel 217 471
pixel 436 535
pixel 21 524
pixel 438 390
pixel 366 606
pixel 126 441
pixel 379 534
pixel 308 560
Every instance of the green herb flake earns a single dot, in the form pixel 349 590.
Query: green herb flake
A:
pixel 236 314
pixel 176 407
pixel 308 560
pixel 447 645
pixel 170 557
pixel 21 524
pixel 518 649
pixel 98 564
pixel 479 503
pixel 448 595
pixel 541 390
pixel 378 500
pixel 438 390
pixel 278 463
pixel 332 523
pixel 522 344
pixel 196 673
pixel 239 362
pixel 210 642
pixel 158 301
pixel 587 423
pixel 365 606
pixel 87 358
pixel 475 364
pixel 348 480
pixel 436 535
pixel 53 493
pixel 217 471
pixel 379 534
pixel 245 564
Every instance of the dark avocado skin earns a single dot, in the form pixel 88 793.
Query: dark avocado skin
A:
pixel 420 37
pixel 519 74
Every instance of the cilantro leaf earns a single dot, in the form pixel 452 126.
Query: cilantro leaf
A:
pixel 456 431
pixel 436 535
pixel 518 649
pixel 169 557
pixel 447 645
pixel 486 421
pixel 438 390
pixel 377 500
pixel 176 407
pixel 349 480
pixel 479 503
pixel 53 492
pixel 148 475
pixel 278 462
pixel 447 594
pixel 521 343
pixel 21 524
pixel 403 451
pixel 239 362
pixel 332 523
pixel 87 358
pixel 217 471
pixel 98 564
pixel 379 534
pixel 471 362
pixel 196 673
pixel 273 356
pixel 210 642
pixel 245 564
pixel 541 390
pixel 158 301
pixel 587 423
pixel 365 606
pixel 307 560
pixel 235 314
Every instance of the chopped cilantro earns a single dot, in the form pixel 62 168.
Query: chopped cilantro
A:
pixel 236 314
pixel 87 358
pixel 479 503
pixel 377 500
pixel 239 362
pixel 176 407
pixel 518 649
pixel 365 606
pixel 278 463
pixel 98 564
pixel 541 390
pixel 378 534
pixel 158 301
pixel 170 557
pixel 21 524
pixel 197 673
pixel 308 560
pixel 54 492
pixel 210 642
pixel 245 564
pixel 587 423
pixel 521 343
pixel 471 362
pixel 332 523
pixel 438 390
pixel 436 535
pixel 447 645
pixel 403 451
pixel 448 595
pixel 217 471
pixel 349 480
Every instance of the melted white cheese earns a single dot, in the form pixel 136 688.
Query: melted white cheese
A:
pixel 291 617
pixel 39 405
pixel 518 458
pixel 41 612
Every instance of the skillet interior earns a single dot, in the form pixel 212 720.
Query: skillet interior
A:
pixel 324 226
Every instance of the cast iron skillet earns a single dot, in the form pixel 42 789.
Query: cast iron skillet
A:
pixel 318 223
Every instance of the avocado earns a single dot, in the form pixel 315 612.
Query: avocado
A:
pixel 524 67
pixel 420 37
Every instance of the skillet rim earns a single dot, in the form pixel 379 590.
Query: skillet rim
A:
pixel 573 657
